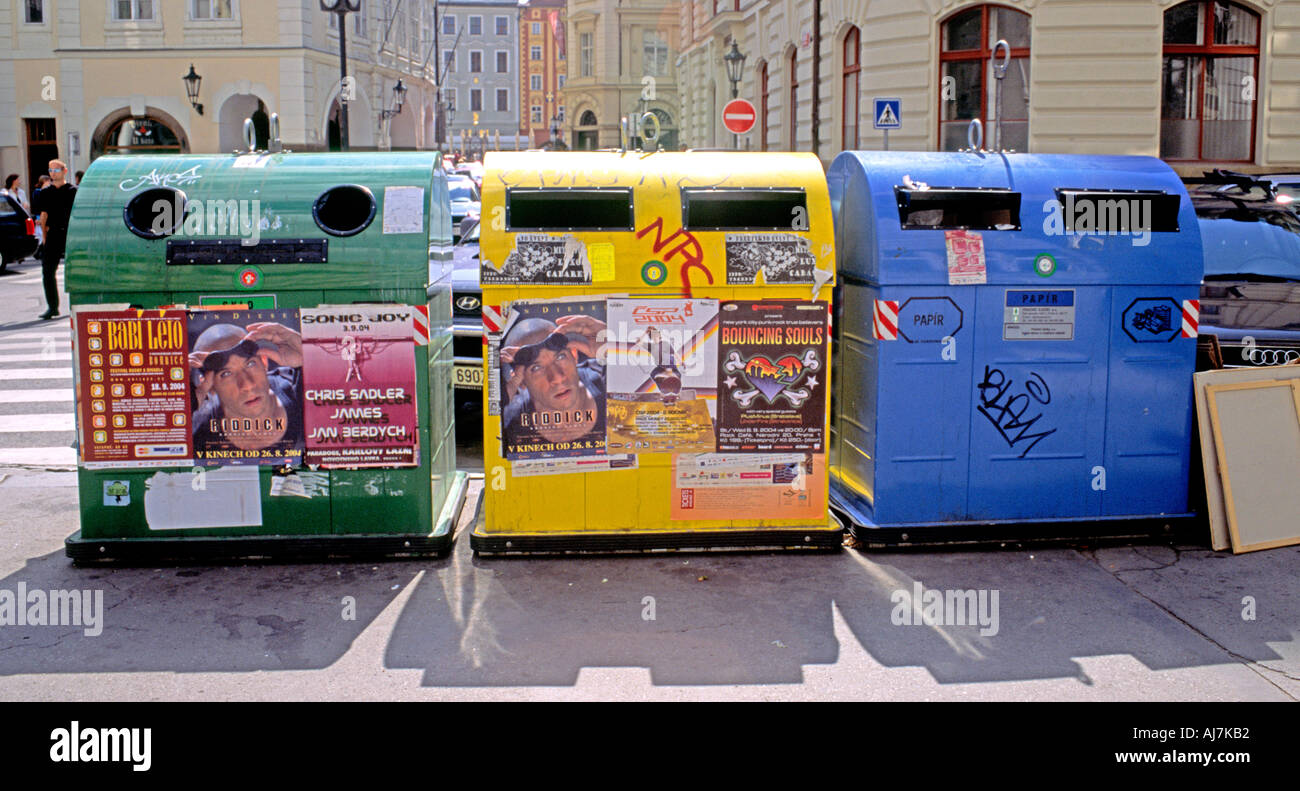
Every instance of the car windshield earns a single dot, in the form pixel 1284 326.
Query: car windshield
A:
pixel 472 236
pixel 463 191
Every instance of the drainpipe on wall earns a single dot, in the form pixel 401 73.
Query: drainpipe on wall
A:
pixel 816 74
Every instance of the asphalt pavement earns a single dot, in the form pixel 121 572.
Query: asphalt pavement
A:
pixel 1143 622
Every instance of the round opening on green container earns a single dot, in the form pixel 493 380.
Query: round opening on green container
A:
pixel 155 213
pixel 345 210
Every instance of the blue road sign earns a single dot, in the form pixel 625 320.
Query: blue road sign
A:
pixel 888 113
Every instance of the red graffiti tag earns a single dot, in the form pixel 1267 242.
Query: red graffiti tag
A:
pixel 689 249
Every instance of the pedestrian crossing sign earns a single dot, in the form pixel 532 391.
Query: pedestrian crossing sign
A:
pixel 888 113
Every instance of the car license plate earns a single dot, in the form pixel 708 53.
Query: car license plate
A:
pixel 467 376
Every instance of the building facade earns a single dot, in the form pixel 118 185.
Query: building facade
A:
pixel 543 51
pixel 79 79
pixel 621 61
pixel 479 40
pixel 1196 83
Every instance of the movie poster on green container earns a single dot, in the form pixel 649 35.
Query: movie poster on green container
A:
pixel 246 376
pixel 359 371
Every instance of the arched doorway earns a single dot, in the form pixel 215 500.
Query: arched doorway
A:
pixel 152 133
pixel 586 136
pixel 230 121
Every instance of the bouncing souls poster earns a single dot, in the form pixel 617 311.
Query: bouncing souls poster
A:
pixel 772 361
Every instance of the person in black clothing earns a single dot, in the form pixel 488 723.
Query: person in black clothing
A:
pixel 54 206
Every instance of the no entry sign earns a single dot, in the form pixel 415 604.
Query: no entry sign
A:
pixel 738 116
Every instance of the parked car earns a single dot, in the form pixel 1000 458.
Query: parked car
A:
pixel 474 170
pixel 467 329
pixel 1250 296
pixel 464 201
pixel 17 231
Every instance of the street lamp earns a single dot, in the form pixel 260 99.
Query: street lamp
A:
pixel 735 63
pixel 342 8
pixel 399 99
pixel 555 129
pixel 192 81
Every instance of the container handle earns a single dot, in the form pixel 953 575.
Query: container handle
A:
pixel 651 139
pixel 274 145
pixel 1000 74
pixel 975 134
pixel 250 137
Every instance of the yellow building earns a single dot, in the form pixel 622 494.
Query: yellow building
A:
pixel 1194 82
pixel 621 60
pixel 79 79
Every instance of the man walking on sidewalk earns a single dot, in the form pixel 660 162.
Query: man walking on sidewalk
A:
pixel 54 206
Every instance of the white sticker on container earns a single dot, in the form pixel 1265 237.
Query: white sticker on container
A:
pixel 403 209
pixel 221 497
pixel 251 161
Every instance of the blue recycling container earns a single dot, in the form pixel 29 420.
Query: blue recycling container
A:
pixel 1016 337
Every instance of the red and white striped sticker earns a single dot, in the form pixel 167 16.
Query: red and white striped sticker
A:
pixel 1191 317
pixel 420 325
pixel 884 324
pixel 492 319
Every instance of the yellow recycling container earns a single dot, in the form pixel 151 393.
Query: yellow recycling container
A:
pixel 657 360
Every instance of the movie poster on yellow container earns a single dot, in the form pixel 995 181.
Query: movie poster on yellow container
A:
pixel 662 359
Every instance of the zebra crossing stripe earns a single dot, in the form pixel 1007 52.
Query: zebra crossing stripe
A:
pixel 35 358
pixel 33 423
pixel 19 374
pixel 35 396
pixel 43 457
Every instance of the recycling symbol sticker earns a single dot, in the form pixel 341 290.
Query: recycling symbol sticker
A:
pixel 1153 320
pixel 1045 265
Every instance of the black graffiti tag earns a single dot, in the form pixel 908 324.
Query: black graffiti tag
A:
pixel 1007 412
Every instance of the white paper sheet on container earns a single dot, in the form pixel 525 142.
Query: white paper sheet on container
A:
pixel 223 497
pixel 403 209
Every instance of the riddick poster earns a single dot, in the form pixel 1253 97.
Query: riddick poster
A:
pixel 772 366
pixel 359 376
pixel 246 375
pixel 663 375
pixel 552 373
pixel 133 399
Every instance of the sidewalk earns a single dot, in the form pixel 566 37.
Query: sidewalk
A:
pixel 1125 623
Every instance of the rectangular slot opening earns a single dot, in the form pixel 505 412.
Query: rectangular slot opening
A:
pixel 593 209
pixel 752 209
pixel 1118 211
pixel 957 208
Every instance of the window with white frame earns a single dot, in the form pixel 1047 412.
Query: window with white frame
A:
pixel 587 53
pixel 537 114
pixel 503 100
pixel 503 25
pixel 132 10
pixel 656 54
pixel 413 26
pixel 535 82
pixel 475 61
pixel 503 61
pixel 475 100
pixel 34 12
pixel 449 24
pixel 535 52
pixel 560 80
pixel 537 28
pixel 449 60
pixel 358 20
pixel 476 26
pixel 210 9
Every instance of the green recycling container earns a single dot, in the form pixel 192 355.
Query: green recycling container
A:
pixel 262 353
